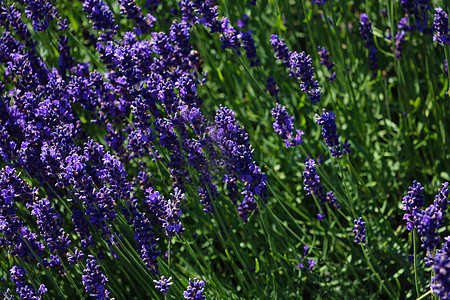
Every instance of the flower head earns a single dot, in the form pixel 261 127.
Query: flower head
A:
pixel 441 26
pixel 163 284
pixel 440 282
pixel 412 202
pixel 329 132
pixel 194 290
pixel 284 126
pixel 365 29
pixel 94 280
pixel 360 230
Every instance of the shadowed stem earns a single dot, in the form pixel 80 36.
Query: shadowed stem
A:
pixel 416 280
pixel 376 273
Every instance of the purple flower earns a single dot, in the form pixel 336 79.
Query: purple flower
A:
pixel 311 263
pixel 145 240
pixel 329 132
pixel 132 11
pixel 281 50
pixel 171 213
pixel 94 280
pixel 313 186
pixel 101 18
pixel 399 39
pixel 237 159
pixel 249 47
pixel 419 10
pixel 23 289
pixel 403 24
pixel 428 221
pixel 163 284
pixel 346 147
pixel 331 200
pixel 440 282
pixel 65 59
pixel 50 226
pixel 194 290
pixel 312 180
pixel 15 235
pixel 229 37
pixel 242 22
pixel 165 212
pixel 82 228
pixel 272 87
pixel 40 12
pixel 441 26
pixel 365 29
pixel 325 60
pixel 441 199
pixel 413 201
pixel 301 68
pixel 284 126
pixel 360 230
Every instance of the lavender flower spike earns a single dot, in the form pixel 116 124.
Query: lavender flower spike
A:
pixel 325 60
pixel 360 230
pixel 301 68
pixel 194 290
pixel 272 87
pixel 163 284
pixel 315 187
pixel 283 125
pixel 365 29
pixel 440 24
pixel 329 132
pixel 440 283
pixel 23 289
pixel 94 280
pixel 412 202
pixel 250 49
pixel 281 50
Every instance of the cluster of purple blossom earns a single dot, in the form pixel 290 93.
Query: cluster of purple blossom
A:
pixel 284 126
pixel 427 223
pixel 300 66
pixel 440 24
pixel 311 262
pixel 149 76
pixel 313 186
pixel 418 11
pixel 325 60
pixel 359 229
pixel 365 29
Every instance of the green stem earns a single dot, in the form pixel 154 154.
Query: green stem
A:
pixel 424 295
pixel 416 279
pixel 376 273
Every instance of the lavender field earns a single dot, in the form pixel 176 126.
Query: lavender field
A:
pixel 224 149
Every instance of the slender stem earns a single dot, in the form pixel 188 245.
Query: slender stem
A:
pixel 424 295
pixel 376 273
pixel 167 295
pixel 416 279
